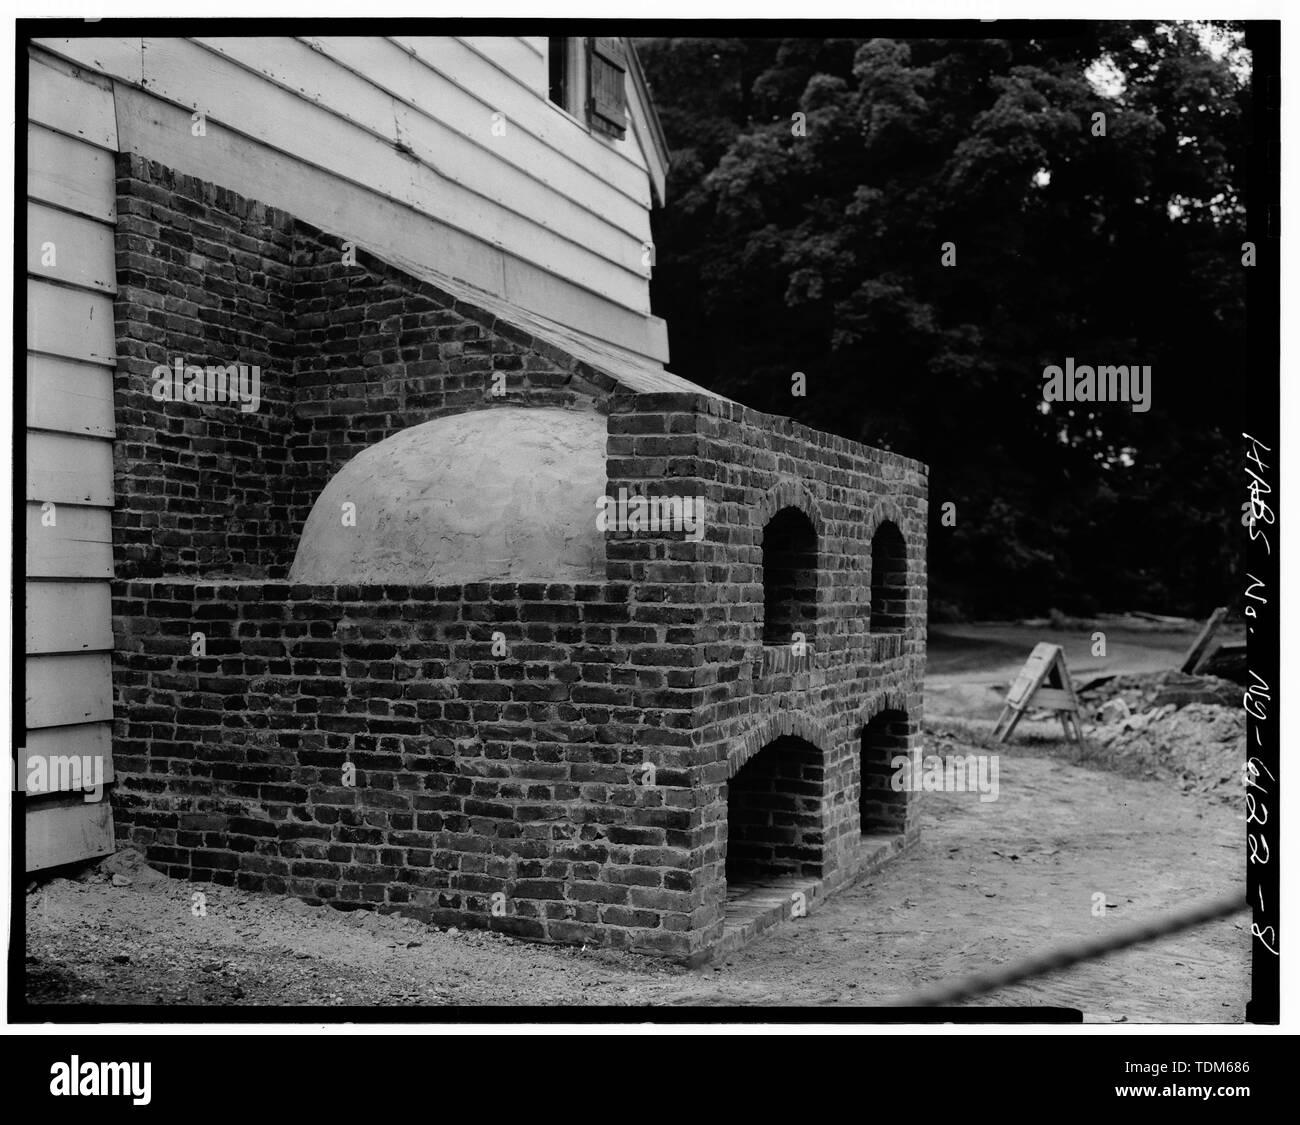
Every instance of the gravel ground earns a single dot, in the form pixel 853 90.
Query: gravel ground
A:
pixel 988 884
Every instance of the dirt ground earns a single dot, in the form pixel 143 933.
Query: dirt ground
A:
pixel 988 884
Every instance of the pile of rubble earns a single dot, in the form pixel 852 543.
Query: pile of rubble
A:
pixel 1147 691
pixel 1188 729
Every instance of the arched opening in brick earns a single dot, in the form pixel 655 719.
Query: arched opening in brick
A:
pixel 774 824
pixel 888 579
pixel 882 809
pixel 789 577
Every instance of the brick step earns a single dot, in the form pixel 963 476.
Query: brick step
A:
pixel 755 907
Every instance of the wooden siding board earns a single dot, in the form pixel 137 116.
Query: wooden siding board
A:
pixel 68 617
pixel 78 104
pixel 69 322
pixel 69 397
pixel 70 174
pixel 66 828
pixel 84 740
pixel 641 129
pixel 79 545
pixel 70 249
pixel 69 469
pixel 63 690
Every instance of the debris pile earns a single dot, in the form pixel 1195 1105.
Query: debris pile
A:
pixel 1188 729
pixel 1147 691
pixel 123 869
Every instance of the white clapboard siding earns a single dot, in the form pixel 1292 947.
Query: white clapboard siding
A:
pixel 69 397
pixel 444 119
pixel 44 747
pixel 377 224
pixel 79 544
pixel 357 130
pixel 70 249
pixel 68 617
pixel 69 469
pixel 456 61
pixel 186 73
pixel 383 220
pixel 71 139
pixel 74 102
pixel 70 174
pixel 361 95
pixel 513 55
pixel 66 828
pixel 69 322
pixel 67 689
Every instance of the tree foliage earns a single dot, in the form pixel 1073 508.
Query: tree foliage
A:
pixel 814 244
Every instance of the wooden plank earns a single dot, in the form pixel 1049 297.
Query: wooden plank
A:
pixel 70 249
pixel 45 759
pixel 74 102
pixel 66 829
pixel 514 55
pixel 69 322
pixel 78 545
pixel 458 63
pixel 1052 699
pixel 93 56
pixel 455 132
pixel 64 690
pixel 70 173
pixel 649 133
pixel 360 79
pixel 69 469
pixel 402 236
pixel 1200 647
pixel 189 75
pixel 69 617
pixel 645 154
pixel 70 397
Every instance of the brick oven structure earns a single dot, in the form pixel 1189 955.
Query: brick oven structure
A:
pixel 372 647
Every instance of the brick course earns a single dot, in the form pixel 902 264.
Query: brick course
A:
pixel 522 775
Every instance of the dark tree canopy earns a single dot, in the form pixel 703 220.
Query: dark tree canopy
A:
pixel 822 253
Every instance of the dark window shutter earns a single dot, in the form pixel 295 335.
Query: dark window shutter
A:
pixel 607 86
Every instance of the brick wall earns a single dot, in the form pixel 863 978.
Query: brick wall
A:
pixel 350 350
pixel 752 469
pixel 476 772
pixel 593 772
pixel 203 276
